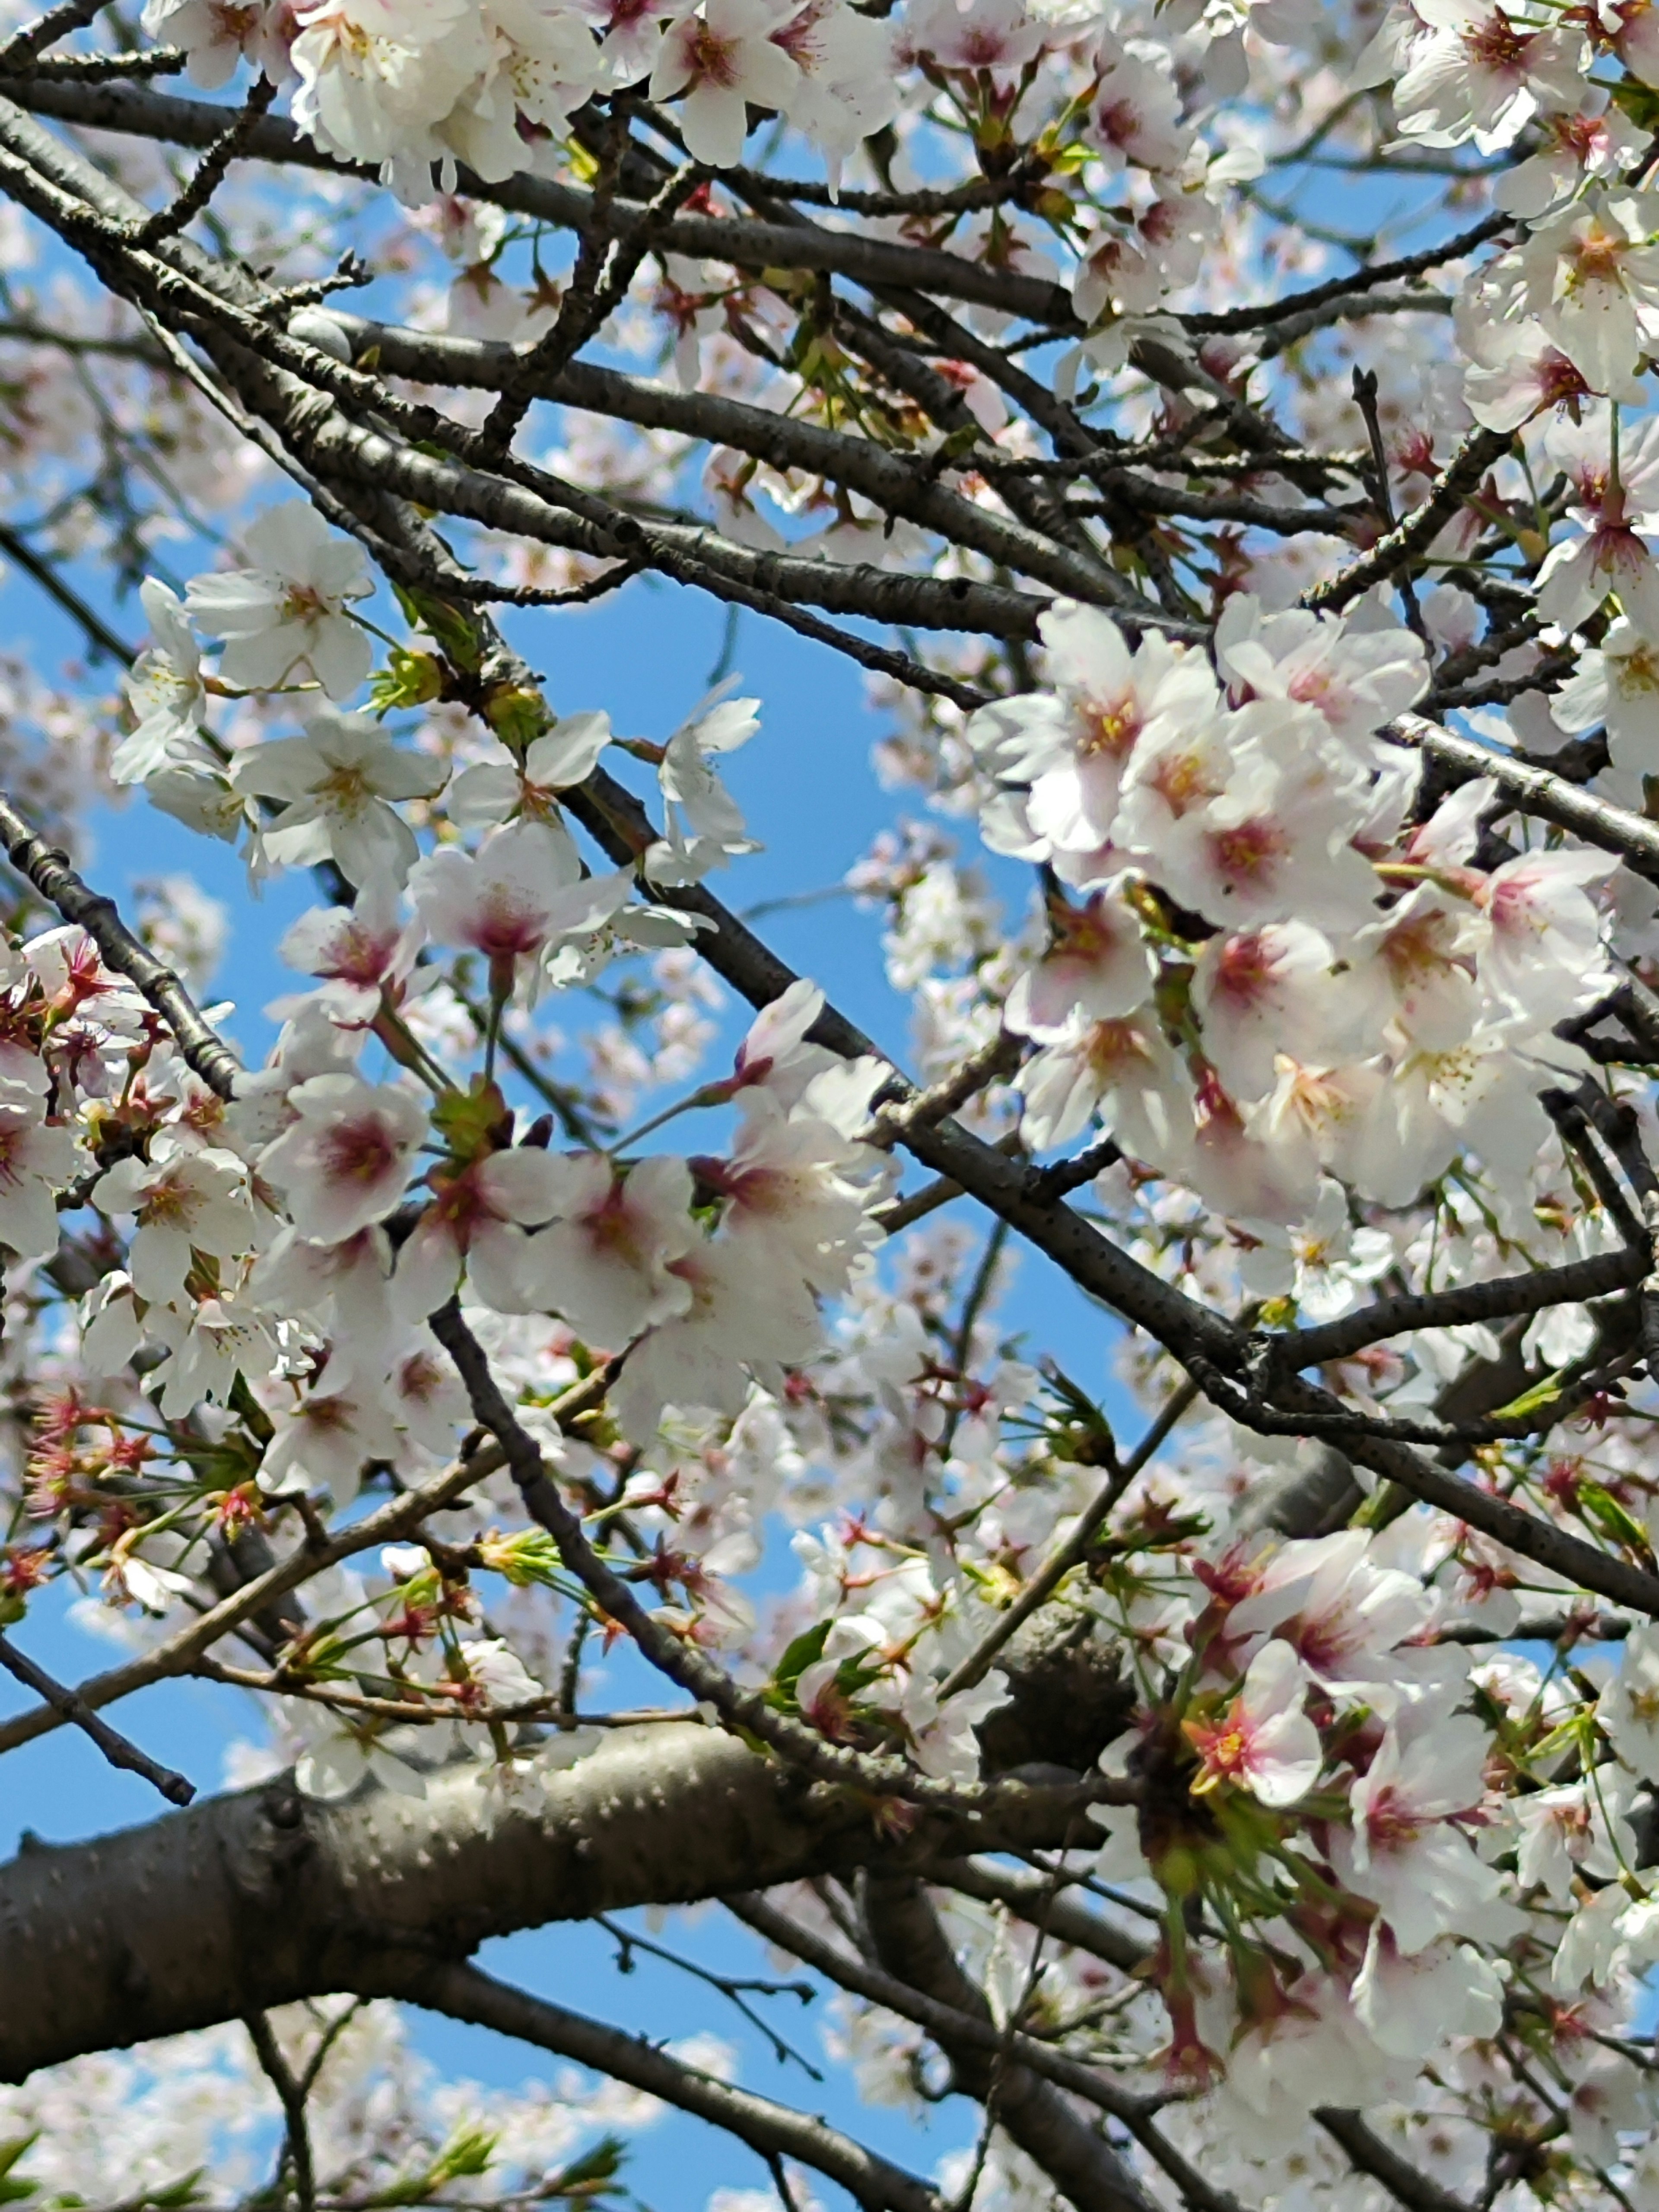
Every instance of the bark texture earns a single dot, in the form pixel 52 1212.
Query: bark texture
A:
pixel 264 1897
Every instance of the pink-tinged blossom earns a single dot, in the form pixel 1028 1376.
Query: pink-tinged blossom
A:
pixel 788 1191
pixel 538 62
pixel 998 35
pixel 1098 967
pixel 1483 72
pixel 1543 958
pixel 1413 2001
pixel 218 35
pixel 364 954
pixel 284 619
pixel 1134 116
pixel 426 1397
pixel 477 1220
pixel 1272 845
pixel 777 1051
pixel 37 1160
pixel 1323 1262
pixel 1516 371
pixel 345 1161
pixel 705 825
pixel 1403 1853
pixel 1575 1827
pixel 604 1261
pixel 1358 679
pixel 1234 1158
pixel 338 787
pixel 1342 1614
pixel 71 973
pixel 1436 1101
pixel 341 1289
pixel 519 896
pixel 1264 1743
pixel 747 1316
pixel 212 1342
pixel 1073 744
pixel 1573 147
pixel 1592 276
pixel 185 1201
pixel 1313 1119
pixel 1414 971
pixel 1123 1069
pixel 1612 554
pixel 324 1439
pixel 718 61
pixel 1260 992
pixel 630 32
pixel 846 85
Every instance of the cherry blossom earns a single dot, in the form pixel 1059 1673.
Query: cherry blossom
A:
pixel 186 1201
pixel 605 1260
pixel 345 1161
pixel 336 787
pixel 285 616
pixel 1263 1742
pixel 514 899
pixel 719 58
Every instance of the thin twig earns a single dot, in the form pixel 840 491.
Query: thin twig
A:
pixel 1068 1554
pixel 291 2095
pixel 118 1749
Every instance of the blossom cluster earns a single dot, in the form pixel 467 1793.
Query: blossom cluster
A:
pixel 1319 1016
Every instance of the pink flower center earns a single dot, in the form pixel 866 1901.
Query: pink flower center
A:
pixel 359 1152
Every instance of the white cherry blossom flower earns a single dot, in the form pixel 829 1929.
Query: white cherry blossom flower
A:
pixel 1409 2000
pixel 476 1219
pixel 38 1159
pixel 345 1161
pixel 491 793
pixel 1484 71
pixel 185 1201
pixel 1097 966
pixel 515 899
pixel 338 787
pixel 604 1261
pixel 1628 1707
pixel 717 61
pixel 1404 1853
pixel 324 1439
pixel 363 952
pixel 285 617
pixel 1264 1743
pixel 164 689
pixel 1617 684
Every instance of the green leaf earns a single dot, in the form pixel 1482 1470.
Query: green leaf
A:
pixel 1604 1509
pixel 452 626
pixel 805 1650
pixel 468 2152
pixel 12 2187
pixel 1532 1401
pixel 593 2174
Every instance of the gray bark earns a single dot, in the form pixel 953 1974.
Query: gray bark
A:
pixel 262 1898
